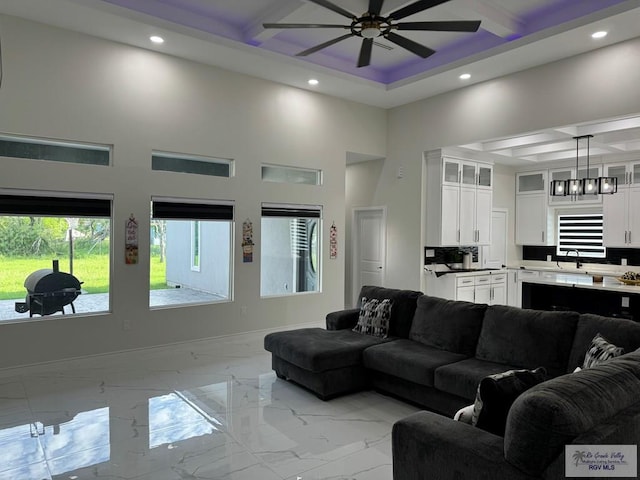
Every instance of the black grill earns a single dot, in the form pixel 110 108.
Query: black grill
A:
pixel 48 291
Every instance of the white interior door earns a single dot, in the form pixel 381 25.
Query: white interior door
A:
pixel 494 255
pixel 369 247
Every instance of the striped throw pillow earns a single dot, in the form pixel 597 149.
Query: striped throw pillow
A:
pixel 600 350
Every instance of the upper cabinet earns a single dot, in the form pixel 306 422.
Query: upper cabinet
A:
pixel 532 208
pixel 531 182
pixel 459 200
pixel 620 211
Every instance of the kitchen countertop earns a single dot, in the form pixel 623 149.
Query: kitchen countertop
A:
pixel 582 281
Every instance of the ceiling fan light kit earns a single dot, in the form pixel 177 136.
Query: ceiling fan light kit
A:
pixel 372 25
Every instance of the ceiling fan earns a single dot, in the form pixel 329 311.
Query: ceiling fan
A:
pixel 371 25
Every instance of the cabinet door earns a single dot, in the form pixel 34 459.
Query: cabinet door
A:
pixel 634 216
pixel 468 176
pixel 450 218
pixel 617 170
pixel 499 293
pixel 485 176
pixel 483 294
pixel 634 174
pixel 467 216
pixel 614 209
pixel 466 293
pixel 483 216
pixel 531 182
pixel 450 171
pixel 531 219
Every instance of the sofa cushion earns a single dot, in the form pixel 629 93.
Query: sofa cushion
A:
pixel 527 338
pixel 600 350
pixel 408 360
pixel 462 378
pixel 404 306
pixel 552 414
pixel 318 350
pixel 623 333
pixel 447 324
pixel 496 393
pixel 374 317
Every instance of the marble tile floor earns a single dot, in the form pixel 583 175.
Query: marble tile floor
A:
pixel 211 409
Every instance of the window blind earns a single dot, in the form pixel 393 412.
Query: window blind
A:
pixel 583 233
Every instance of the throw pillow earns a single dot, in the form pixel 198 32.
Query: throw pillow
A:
pixel 496 393
pixel 464 415
pixel 374 317
pixel 600 350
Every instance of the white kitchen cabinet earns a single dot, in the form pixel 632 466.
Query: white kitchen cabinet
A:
pixel 459 201
pixel 532 212
pixel 621 214
pixel 531 183
pixel 498 294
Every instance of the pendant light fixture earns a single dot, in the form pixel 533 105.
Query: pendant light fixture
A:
pixel 583 186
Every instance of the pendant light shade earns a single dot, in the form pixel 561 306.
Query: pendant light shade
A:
pixel 607 185
pixel 558 188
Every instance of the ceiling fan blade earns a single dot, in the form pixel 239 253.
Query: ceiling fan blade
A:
pixel 455 26
pixel 302 25
pixel 365 52
pixel 375 6
pixel 335 8
pixel 410 45
pixel 323 45
pixel 415 8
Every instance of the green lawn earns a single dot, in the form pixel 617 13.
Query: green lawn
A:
pixel 92 269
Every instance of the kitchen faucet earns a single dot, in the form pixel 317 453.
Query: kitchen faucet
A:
pixel 578 264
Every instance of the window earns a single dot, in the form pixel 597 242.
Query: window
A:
pixel 279 174
pixel 55 254
pixel 191 252
pixel 290 258
pixel 581 232
pixel 54 151
pixel 172 162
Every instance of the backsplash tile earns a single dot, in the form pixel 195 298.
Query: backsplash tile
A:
pixel 449 254
pixel 614 255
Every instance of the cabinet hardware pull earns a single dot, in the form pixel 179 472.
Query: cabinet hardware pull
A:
pixel 625 237
pixel 629 236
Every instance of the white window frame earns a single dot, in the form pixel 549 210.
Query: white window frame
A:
pixel 196 238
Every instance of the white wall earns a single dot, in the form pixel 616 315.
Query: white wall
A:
pixel 361 184
pixel 64 85
pixel 600 84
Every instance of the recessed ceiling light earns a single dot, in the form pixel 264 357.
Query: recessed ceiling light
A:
pixel 156 39
pixel 465 76
pixel 313 82
pixel 600 34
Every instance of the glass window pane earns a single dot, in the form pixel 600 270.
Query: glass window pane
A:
pixel 450 172
pixel 212 167
pixel 54 266
pixel 278 174
pixel 531 182
pixel 289 260
pixel 468 174
pixel 617 171
pixel 190 261
pixel 484 176
pixel 35 149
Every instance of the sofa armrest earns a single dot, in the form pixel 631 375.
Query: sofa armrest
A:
pixel 342 319
pixel 428 445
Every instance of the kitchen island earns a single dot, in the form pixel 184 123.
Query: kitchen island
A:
pixel 578 292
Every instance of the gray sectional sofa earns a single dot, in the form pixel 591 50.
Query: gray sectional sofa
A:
pixel 435 355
